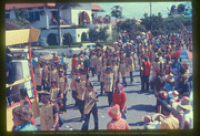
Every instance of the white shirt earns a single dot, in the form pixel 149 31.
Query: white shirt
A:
pixel 187 116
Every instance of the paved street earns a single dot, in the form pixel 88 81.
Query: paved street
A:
pixel 139 104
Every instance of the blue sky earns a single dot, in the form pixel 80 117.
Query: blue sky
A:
pixel 137 9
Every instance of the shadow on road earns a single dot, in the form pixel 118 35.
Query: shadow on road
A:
pixel 141 123
pixel 72 120
pixel 104 106
pixel 141 107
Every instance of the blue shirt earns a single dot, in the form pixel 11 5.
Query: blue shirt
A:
pixel 168 87
pixel 34 61
pixel 63 60
pixel 26 127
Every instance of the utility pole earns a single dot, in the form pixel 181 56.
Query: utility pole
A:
pixel 59 29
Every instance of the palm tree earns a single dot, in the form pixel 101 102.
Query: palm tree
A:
pixel 61 6
pixel 116 12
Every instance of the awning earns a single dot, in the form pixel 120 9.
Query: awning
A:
pixel 14 37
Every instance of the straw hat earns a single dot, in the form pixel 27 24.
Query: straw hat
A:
pixel 114 112
pixel 43 92
pixel 157 116
pixel 185 104
pixel 146 119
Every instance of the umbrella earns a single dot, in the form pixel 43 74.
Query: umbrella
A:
pixel 182 54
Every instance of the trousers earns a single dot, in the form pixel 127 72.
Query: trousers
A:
pixel 94 112
pixel 110 98
pixel 81 105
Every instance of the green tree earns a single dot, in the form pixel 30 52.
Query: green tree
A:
pixel 116 12
pixel 20 20
pixel 61 6
pixel 181 8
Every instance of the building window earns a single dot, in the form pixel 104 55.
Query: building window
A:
pixel 34 16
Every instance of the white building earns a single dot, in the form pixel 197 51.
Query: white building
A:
pixel 76 21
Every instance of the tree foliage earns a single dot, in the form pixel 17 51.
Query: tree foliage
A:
pixel 98 34
pixel 20 20
pixel 116 12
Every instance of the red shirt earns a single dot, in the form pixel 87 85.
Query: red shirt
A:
pixel 74 62
pixel 119 99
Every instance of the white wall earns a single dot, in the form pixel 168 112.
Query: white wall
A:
pixel 74 33
pixel 66 15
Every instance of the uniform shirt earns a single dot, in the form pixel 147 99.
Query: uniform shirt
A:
pixel 170 122
pixel 80 88
pixel 93 61
pixel 45 73
pixel 38 76
pixel 124 69
pixel 108 82
pixel 130 63
pixel 119 124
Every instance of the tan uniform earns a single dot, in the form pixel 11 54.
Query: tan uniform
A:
pixel 88 97
pixel 45 73
pixel 93 60
pixel 108 82
pixel 130 63
pixel 124 69
pixel 80 88
pixel 38 76
pixel 54 75
pixel 156 66
pixel 115 70
pixel 103 69
pixel 46 117
pixel 62 85
pixel 73 82
pixel 99 64
pixel 83 77
pixel 54 92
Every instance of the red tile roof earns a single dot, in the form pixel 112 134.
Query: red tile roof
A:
pixel 28 5
pixel 96 7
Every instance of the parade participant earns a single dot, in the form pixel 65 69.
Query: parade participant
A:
pixel 92 63
pixel 117 123
pixel 183 88
pixel 167 65
pixel 64 62
pixel 74 62
pixel 124 69
pixel 169 82
pixel 161 101
pixel 24 100
pixel 38 76
pixel 157 83
pixel 147 69
pixel 130 62
pixel 80 89
pixel 49 114
pixel 156 67
pixel 156 120
pixel 9 78
pixel 45 76
pixel 22 116
pixel 63 85
pixel 108 84
pixel 56 60
pixel 86 63
pixel 175 68
pixel 119 97
pixel 75 73
pixel 56 94
pixel 115 71
pixel 91 97
pixel 103 71
pixel 99 58
pixel 54 74
pixel 187 114
pixel 170 122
